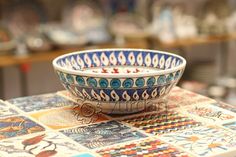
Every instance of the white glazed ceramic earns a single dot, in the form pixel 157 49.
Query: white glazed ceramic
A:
pixel 119 81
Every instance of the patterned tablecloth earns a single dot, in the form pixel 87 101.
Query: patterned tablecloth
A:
pixel 186 124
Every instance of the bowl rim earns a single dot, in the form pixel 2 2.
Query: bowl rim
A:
pixel 109 75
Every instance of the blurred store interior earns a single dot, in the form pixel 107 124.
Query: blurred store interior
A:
pixel 33 32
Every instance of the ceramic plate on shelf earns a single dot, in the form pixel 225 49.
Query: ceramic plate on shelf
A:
pixel 24 16
pixel 127 25
pixel 6 42
pixel 119 81
pixel 64 37
pixel 87 17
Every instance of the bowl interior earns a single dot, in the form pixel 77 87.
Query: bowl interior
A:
pixel 119 61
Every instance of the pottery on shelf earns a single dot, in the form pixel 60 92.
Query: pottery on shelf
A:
pixel 128 25
pixel 7 43
pixel 62 36
pixel 119 81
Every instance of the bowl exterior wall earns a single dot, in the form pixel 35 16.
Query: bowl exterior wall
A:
pixel 119 89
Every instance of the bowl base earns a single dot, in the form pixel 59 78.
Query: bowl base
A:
pixel 128 107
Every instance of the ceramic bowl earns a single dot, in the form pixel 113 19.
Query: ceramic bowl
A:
pixel 119 81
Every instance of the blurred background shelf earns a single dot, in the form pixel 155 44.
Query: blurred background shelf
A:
pixel 11 60
pixel 195 41
pixel 34 32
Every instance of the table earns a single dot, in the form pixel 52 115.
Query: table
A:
pixel 53 124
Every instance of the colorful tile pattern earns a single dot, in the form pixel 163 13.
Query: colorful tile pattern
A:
pixel 16 126
pixel 147 147
pixel 179 97
pixel 231 108
pixel 178 126
pixel 6 111
pixel 84 155
pixel 40 145
pixel 161 123
pixel 40 102
pixel 66 117
pixel 231 125
pixel 208 113
pixel 102 134
pixel 204 140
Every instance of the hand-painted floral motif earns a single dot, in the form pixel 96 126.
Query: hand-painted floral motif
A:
pixel 16 126
pixel 209 113
pixel 231 125
pixel 40 145
pixel 6 110
pixel 203 141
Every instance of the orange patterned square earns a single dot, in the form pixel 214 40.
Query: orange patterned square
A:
pixel 67 117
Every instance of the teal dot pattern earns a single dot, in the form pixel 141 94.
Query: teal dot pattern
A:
pixel 128 83
pixel 80 80
pixel 92 82
pixel 115 83
pixel 103 83
pixel 140 82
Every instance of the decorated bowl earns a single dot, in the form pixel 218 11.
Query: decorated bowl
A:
pixel 119 81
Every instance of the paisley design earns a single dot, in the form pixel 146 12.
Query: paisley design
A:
pixel 113 59
pixel 104 59
pixel 87 60
pixel 140 59
pixel 154 93
pixel 155 61
pixel 162 62
pixel 162 91
pixel 104 96
pixel 114 95
pixel 74 63
pixel 95 95
pixel 86 95
pixel 68 63
pixel 173 63
pixel 131 58
pixel 78 93
pixel 135 95
pixel 148 60
pixel 145 95
pixel 96 60
pixel 167 63
pixel 122 58
pixel 126 96
pixel 111 76
pixel 80 62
